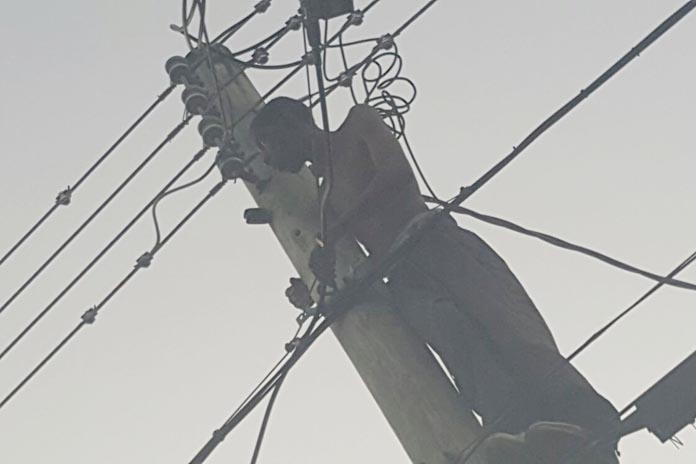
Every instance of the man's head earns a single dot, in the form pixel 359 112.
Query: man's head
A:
pixel 283 130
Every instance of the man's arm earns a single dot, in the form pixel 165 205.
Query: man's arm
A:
pixel 389 165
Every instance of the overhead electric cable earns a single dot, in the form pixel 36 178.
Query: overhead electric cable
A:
pixel 260 8
pixel 573 103
pixel 292 73
pixel 103 252
pixel 266 417
pixel 561 243
pixel 64 197
pixel 165 193
pixel 261 393
pixel 90 315
pixel 96 212
pixel 594 337
pixel 340 298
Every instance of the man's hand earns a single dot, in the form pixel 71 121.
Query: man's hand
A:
pixel 298 294
pixel 322 262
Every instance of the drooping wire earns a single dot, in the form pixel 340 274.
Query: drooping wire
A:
pixel 196 157
pixel 90 315
pixel 564 244
pixel 65 196
pixel 163 195
pixel 96 212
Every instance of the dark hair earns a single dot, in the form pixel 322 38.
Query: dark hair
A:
pixel 281 112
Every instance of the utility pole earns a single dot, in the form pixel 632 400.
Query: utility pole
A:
pixel 414 394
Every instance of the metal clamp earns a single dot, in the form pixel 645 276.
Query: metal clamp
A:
pixel 260 56
pixel 356 18
pixel 90 315
pixel 63 198
pixel 385 42
pixel 294 23
pixel 262 6
pixel 144 260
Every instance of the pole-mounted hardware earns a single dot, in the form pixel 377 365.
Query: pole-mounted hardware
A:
pixel 327 9
pixel 257 216
pixel 669 405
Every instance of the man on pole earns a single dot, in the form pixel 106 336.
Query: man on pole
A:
pixel 451 287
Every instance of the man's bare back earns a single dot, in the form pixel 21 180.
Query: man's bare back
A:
pixel 374 193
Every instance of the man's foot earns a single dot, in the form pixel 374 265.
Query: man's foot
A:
pixel 544 443
pixel 557 442
pixel 503 448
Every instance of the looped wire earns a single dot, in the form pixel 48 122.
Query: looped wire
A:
pixel 387 90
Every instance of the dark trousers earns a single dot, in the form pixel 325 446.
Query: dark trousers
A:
pixel 465 302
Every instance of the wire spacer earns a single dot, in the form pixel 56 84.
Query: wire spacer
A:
pixel 260 56
pixel 262 6
pixel 294 23
pixel 355 18
pixel 90 315
pixel 144 260
pixel 63 198
pixel 385 42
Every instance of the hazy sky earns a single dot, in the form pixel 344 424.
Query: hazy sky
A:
pixel 175 352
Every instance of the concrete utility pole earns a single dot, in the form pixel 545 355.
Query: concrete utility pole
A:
pixel 408 385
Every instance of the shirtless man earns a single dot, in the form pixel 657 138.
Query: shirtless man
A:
pixel 452 288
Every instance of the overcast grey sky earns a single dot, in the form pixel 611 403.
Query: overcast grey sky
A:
pixel 173 354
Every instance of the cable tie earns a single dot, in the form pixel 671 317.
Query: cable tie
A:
pixel 385 42
pixel 260 56
pixel 63 198
pixel 144 260
pixel 262 6
pixel 90 315
pixel 294 23
pixel 356 18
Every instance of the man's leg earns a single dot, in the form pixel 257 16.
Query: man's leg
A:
pixel 490 299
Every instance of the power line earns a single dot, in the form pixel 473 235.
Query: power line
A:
pixel 260 8
pixel 266 417
pixel 594 337
pixel 96 212
pixel 64 197
pixel 573 103
pixel 90 315
pixel 150 205
pixel 178 128
pixel 561 243
pixel 378 270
